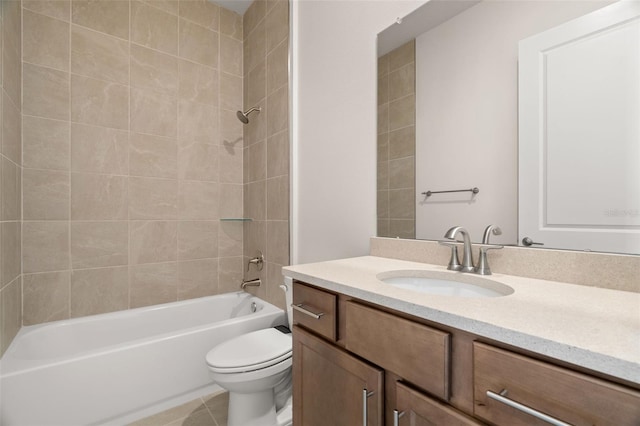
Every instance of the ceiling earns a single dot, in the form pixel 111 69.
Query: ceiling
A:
pixel 238 6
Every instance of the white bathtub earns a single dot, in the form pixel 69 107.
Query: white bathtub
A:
pixel 118 367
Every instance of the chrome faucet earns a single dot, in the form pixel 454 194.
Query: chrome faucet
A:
pixel 482 268
pixel 467 257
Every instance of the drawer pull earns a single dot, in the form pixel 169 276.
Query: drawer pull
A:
pixel 521 407
pixel 365 406
pixel 299 308
pixel 396 417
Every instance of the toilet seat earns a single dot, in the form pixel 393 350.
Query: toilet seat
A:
pixel 250 352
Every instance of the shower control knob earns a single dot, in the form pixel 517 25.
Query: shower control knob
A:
pixel 527 242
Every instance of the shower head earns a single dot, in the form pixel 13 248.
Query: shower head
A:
pixel 244 116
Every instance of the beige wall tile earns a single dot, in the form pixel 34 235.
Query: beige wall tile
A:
pixel 230 165
pixel 153 113
pixel 231 92
pixel 201 12
pixel 382 201
pixel 11 129
pixel 254 48
pixel 231 204
pixel 402 173
pixel 171 6
pixel 198 83
pixel 256 83
pixel 46 92
pixel 278 67
pixel 383 175
pixel 197 240
pixel 98 244
pixel 402 228
pixel 402 203
pixel 402 55
pixel 152 156
pixel 11 22
pixel 229 274
pixel 230 239
pixel 278 154
pixel 383 118
pixel 231 130
pixel 197 278
pixel 275 295
pixel 154 28
pixel 256 130
pixel 111 17
pixel 277 242
pixel 45 143
pixel 10 247
pixel 198 122
pixel 278 111
pixel 198 200
pixel 231 55
pixel 99 55
pixel 255 238
pixel 277 25
pixel 45 194
pixel 153 283
pixel 278 198
pixel 152 241
pixel 99 102
pixel 46 297
pixel 198 44
pixel 230 24
pixel 154 70
pixel 383 90
pixel 257 161
pixel 198 161
pixel 98 197
pixel 97 291
pixel 402 82
pixel 254 15
pixel 383 147
pixel 383 228
pixel 12 76
pixel 45 246
pixel 45 41
pixel 255 200
pixel 10 190
pixel 60 9
pixel 402 142
pixel 11 312
pixel 99 149
pixel 151 198
pixel 402 112
pixel 383 66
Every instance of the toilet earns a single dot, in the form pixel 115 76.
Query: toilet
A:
pixel 256 370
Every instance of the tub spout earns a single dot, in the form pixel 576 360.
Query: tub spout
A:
pixel 250 283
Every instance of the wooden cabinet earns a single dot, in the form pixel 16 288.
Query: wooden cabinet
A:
pixel 434 375
pixel 571 397
pixel 332 387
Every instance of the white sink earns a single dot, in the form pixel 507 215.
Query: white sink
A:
pixel 444 284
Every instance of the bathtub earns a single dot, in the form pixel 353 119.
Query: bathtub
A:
pixel 119 367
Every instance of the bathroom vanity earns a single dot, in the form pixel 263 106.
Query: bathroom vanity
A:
pixel 368 353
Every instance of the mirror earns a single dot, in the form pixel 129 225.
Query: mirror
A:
pixel 453 125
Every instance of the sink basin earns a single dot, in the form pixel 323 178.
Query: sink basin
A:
pixel 444 284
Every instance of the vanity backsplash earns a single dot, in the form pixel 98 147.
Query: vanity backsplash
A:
pixel 605 270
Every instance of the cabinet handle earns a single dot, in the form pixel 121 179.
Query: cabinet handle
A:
pixel 521 407
pixel 396 417
pixel 299 308
pixel 365 395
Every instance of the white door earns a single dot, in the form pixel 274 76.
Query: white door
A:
pixel 579 132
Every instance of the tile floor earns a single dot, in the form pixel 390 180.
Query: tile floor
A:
pixel 210 410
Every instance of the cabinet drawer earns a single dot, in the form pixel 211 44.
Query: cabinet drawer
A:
pixel 568 396
pixel 315 309
pixel 415 352
pixel 417 409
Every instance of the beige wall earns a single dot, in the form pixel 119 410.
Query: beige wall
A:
pixel 266 142
pixel 11 167
pixel 396 142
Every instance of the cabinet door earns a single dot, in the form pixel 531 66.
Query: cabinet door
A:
pixel 329 385
pixel 416 409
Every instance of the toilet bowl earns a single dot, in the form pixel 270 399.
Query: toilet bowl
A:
pixel 256 370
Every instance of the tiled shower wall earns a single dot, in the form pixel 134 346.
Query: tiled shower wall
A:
pixel 266 137
pixel 396 142
pixel 10 166
pixel 132 154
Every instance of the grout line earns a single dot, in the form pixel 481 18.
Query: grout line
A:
pixel 129 166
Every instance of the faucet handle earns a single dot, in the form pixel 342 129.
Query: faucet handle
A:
pixel 454 262
pixel 482 268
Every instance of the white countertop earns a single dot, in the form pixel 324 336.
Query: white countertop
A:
pixel 595 328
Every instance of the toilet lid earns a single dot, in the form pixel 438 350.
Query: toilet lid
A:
pixel 251 351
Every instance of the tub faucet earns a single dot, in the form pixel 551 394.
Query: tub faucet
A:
pixel 467 257
pixel 250 283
